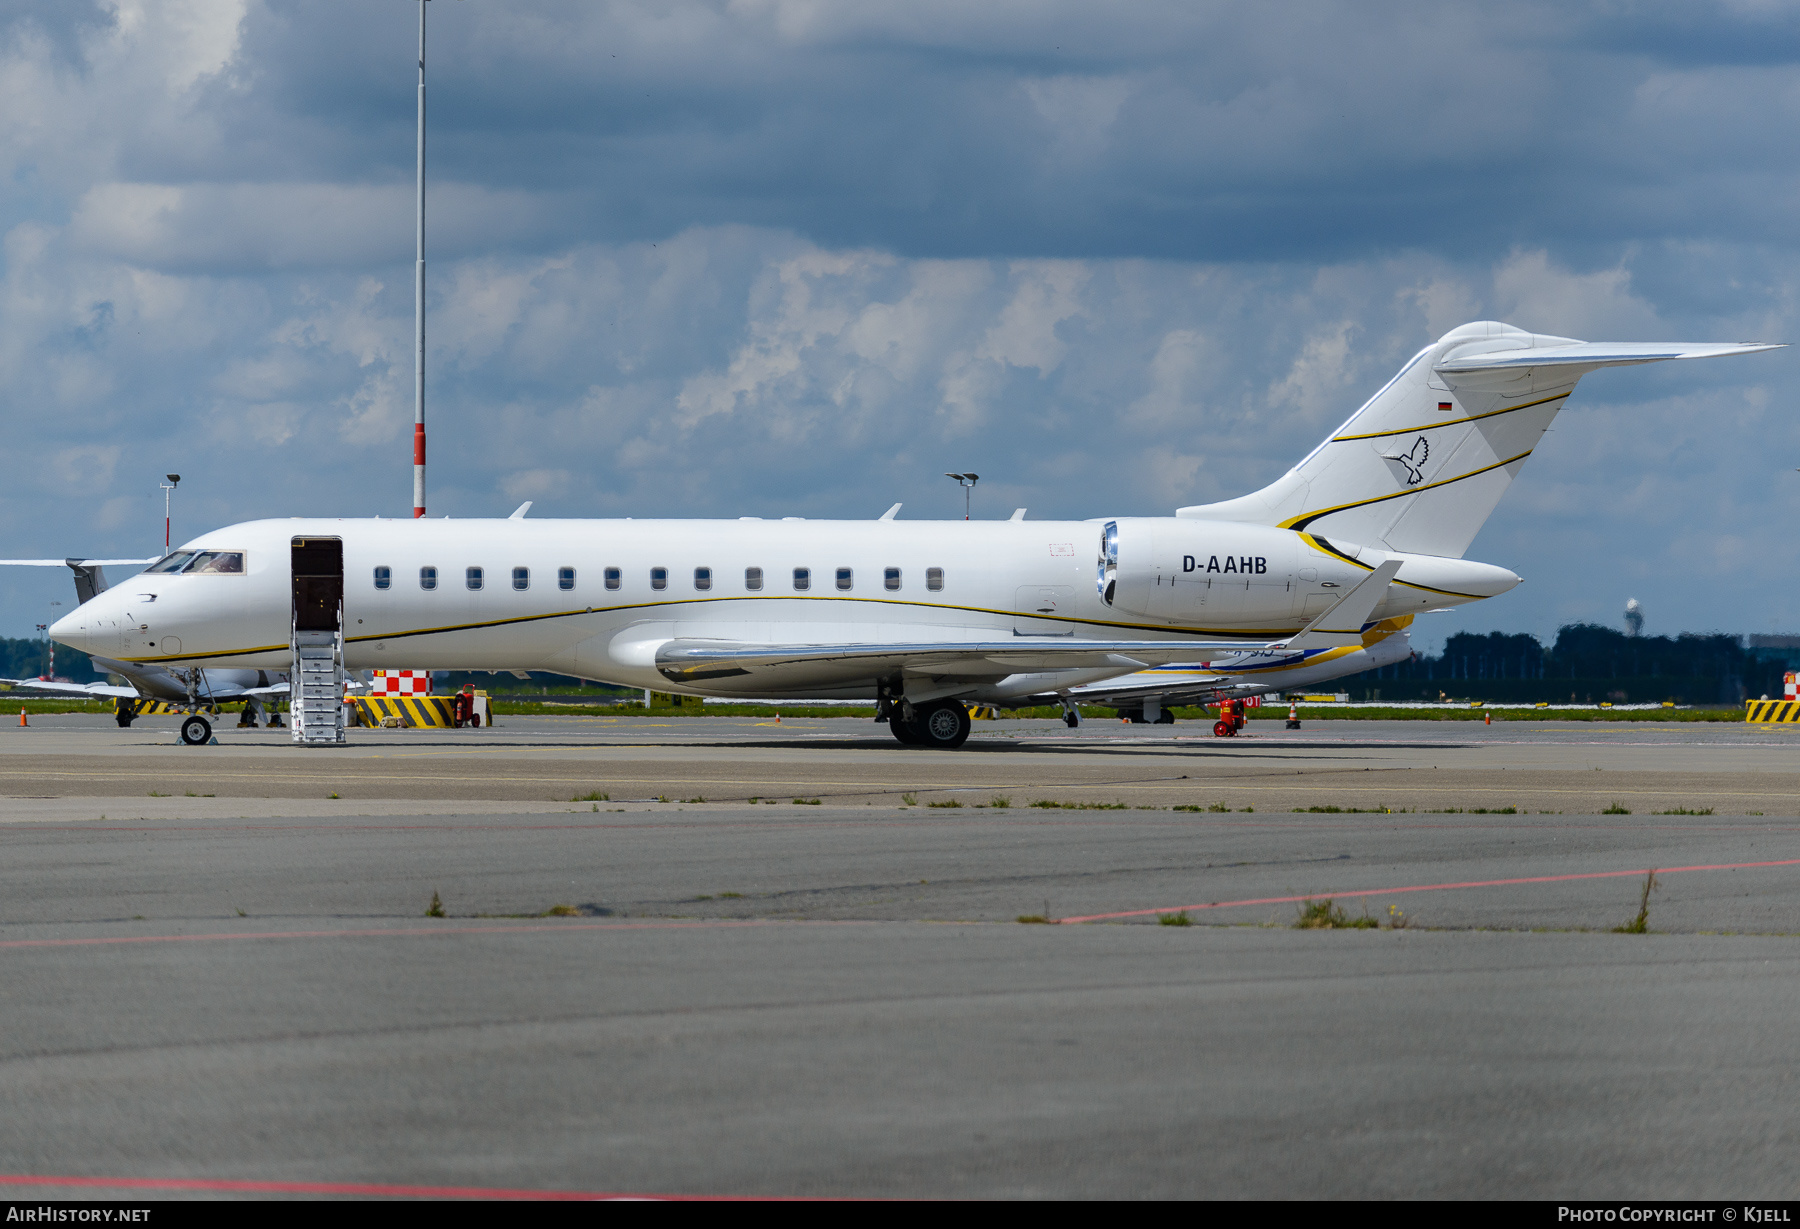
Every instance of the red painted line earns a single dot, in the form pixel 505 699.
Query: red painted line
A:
pixel 1428 887
pixel 393 1190
pixel 406 933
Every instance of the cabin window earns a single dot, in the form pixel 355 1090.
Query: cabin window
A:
pixel 703 579
pixel 472 578
pixel 383 577
pixel 659 578
pixel 845 578
pixel 521 578
pixel 890 578
pixel 753 578
pixel 934 579
pixel 802 578
pixel 565 578
pixel 612 578
pixel 428 578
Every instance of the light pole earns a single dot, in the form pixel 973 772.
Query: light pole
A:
pixel 50 645
pixel 419 297
pixel 967 481
pixel 174 480
pixel 45 628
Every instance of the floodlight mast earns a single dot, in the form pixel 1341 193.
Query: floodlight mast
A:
pixel 419 298
pixel 967 482
pixel 174 480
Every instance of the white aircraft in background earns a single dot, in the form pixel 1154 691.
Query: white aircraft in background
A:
pixel 189 688
pixel 923 617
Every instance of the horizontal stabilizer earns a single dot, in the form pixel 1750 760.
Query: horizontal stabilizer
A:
pixel 1592 354
pixel 1342 625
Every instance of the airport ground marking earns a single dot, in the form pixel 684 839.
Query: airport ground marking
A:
pixel 1427 887
pixel 421 931
pixel 393 1190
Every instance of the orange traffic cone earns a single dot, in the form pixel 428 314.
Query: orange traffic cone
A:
pixel 22 720
pixel 777 718
pixel 1490 719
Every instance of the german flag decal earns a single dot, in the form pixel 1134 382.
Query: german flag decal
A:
pixel 1444 407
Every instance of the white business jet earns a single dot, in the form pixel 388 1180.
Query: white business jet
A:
pixel 923 617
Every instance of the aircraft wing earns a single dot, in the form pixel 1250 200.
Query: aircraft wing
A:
pixel 693 661
pixel 63 563
pixel 90 690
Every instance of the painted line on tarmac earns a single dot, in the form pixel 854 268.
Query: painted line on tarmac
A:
pixel 1428 887
pixel 377 1189
pixel 411 932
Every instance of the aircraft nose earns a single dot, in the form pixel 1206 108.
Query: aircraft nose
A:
pixel 79 629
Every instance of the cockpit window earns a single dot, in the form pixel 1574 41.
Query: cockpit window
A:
pixel 170 563
pixel 216 562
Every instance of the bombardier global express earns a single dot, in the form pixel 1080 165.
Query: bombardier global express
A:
pixel 1333 558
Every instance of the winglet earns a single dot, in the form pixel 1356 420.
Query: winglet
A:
pixel 889 514
pixel 1341 626
pixel 520 511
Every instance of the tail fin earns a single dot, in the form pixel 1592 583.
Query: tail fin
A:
pixel 1422 464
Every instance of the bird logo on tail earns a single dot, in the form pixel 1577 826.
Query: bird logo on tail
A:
pixel 1413 462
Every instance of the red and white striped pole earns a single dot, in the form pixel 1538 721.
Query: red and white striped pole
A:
pixel 419 299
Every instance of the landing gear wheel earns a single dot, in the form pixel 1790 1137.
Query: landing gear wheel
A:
pixel 902 730
pixel 195 731
pixel 1222 729
pixel 944 725
pixel 1166 718
pixel 1071 719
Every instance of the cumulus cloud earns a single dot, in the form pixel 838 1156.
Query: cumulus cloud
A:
pixel 801 257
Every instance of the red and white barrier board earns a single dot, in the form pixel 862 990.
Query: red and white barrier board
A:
pixel 401 683
pixel 1790 686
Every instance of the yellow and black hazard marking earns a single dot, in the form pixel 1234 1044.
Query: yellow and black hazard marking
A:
pixel 1765 712
pixel 411 711
pixel 983 712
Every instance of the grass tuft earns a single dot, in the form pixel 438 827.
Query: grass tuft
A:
pixel 1323 915
pixel 911 800
pixel 1640 924
pixel 1034 919
pixel 436 907
pixel 562 911
pixel 1174 919
pixel 1616 809
pixel 332 794
pixel 806 802
pixel 1002 803
pixel 1684 811
pixel 594 796
pixel 948 802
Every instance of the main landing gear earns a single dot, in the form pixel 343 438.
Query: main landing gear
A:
pixel 943 724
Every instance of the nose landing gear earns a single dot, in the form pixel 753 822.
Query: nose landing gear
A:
pixel 196 731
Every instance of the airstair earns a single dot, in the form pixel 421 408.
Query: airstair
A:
pixel 316 688
pixel 316 683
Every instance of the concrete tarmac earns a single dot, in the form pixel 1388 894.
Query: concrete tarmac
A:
pixel 838 999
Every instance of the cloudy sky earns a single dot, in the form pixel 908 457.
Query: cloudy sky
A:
pixel 800 257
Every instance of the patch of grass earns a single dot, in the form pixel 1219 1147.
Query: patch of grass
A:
pixel 561 911
pixel 1616 809
pixel 154 794
pixel 1081 806
pixel 1397 919
pixel 1479 811
pixel 702 898
pixel 137 917
pixel 911 800
pixel 696 798
pixel 436 907
pixel 241 913
pixel 662 798
pixel 1684 811
pixel 1174 919
pixel 192 794
pixel 948 802
pixel 1001 803
pixel 753 799
pixel 731 896
pixel 1034 919
pixel 1323 915
pixel 595 796
pixel 1640 924
pixel 333 794
pixel 806 802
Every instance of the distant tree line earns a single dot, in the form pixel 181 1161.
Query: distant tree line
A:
pixel 1588 663
pixel 26 659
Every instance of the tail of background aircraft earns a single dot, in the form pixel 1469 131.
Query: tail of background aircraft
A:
pixel 1422 464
